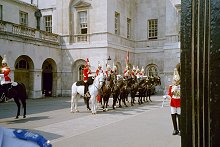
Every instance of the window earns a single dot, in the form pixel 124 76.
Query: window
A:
pixel 48 23
pixel 152 29
pixel 22 64
pixel 117 23
pixel 81 72
pixel 128 28
pixel 152 71
pixel 1 11
pixel 23 18
pixel 83 22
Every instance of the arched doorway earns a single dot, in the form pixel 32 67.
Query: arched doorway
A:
pixel 23 66
pixel 48 77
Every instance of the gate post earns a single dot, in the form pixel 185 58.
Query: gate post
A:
pixel 200 73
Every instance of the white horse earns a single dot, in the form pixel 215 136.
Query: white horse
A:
pixel 93 90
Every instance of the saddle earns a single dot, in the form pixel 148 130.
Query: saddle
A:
pixel 81 83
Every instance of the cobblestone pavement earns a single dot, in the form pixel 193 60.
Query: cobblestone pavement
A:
pixel 146 125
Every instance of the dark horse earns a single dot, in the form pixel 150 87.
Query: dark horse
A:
pixel 17 92
pixel 107 91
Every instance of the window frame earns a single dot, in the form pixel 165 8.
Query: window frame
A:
pixel 22 64
pixel 82 25
pixel 128 28
pixel 151 72
pixel 117 23
pixel 48 24
pixel 80 72
pixel 153 29
pixel 22 13
pixel 1 12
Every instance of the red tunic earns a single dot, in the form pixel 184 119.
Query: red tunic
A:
pixel 86 73
pixel 6 71
pixel 174 93
pixel 108 72
pixel 97 72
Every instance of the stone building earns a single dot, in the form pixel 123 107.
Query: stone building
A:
pixel 48 41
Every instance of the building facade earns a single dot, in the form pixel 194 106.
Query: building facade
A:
pixel 47 42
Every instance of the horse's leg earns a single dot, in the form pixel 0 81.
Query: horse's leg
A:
pixel 18 105
pixel 119 101
pixel 149 95
pixel 93 105
pixel 24 107
pixel 87 104
pixel 72 103
pixel 124 100
pixel 106 105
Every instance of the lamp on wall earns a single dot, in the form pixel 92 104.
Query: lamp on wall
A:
pixel 109 58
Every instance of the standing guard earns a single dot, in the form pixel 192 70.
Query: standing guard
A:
pixel 174 93
pixel 86 72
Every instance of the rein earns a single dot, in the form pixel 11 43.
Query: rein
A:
pixel 98 84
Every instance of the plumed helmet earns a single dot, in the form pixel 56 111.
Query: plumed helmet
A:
pixel 114 67
pixel 87 62
pixel 99 65
pixel 4 60
pixel 138 69
pixel 108 66
pixel 142 69
pixel 134 67
pixel 176 76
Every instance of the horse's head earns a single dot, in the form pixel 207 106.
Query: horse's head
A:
pixel 100 79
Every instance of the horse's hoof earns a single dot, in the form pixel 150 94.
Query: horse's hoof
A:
pixel 16 117
pixel 24 116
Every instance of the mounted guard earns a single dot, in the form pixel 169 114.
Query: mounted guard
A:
pixel 86 73
pixel 99 69
pixel 5 71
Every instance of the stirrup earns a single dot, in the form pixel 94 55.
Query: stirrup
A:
pixel 87 94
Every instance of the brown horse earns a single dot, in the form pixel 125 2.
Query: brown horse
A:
pixel 107 91
pixel 17 92
pixel 116 91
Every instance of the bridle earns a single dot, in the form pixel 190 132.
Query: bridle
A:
pixel 100 81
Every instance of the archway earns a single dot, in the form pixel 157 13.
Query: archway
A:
pixel 49 69
pixel 23 67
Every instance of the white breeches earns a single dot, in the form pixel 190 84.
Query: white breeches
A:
pixel 175 110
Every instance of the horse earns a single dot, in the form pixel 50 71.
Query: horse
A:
pixel 106 91
pixel 116 89
pixel 124 91
pixel 134 89
pixel 17 91
pixel 78 91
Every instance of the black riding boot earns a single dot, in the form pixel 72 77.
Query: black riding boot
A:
pixel 175 131
pixel 179 123
pixel 86 89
